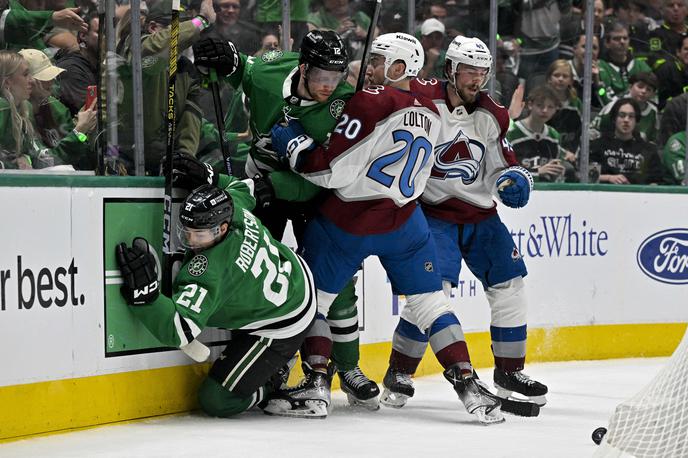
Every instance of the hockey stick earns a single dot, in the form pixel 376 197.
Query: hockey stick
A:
pixel 168 254
pixel 220 118
pixel 368 43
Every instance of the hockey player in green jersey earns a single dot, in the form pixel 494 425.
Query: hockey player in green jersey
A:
pixel 235 275
pixel 308 86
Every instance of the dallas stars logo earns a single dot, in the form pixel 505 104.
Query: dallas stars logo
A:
pixel 272 55
pixel 336 108
pixel 198 265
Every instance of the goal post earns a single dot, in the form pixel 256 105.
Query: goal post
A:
pixel 654 422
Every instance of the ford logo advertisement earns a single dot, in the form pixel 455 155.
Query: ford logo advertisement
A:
pixel 664 256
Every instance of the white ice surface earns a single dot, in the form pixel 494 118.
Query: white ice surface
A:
pixel 433 424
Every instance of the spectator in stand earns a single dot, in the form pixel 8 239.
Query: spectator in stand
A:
pixel 624 156
pixel 632 12
pixel 80 66
pixel 667 38
pixel 673 118
pixel 672 74
pixel 53 121
pixel 269 18
pixel 25 28
pixel 674 159
pixel 537 25
pixel 59 37
pixel 573 26
pixel 578 66
pixel 618 64
pixel 154 51
pixel 535 143
pixel 432 34
pixel 270 41
pixel 350 23
pixel 567 120
pixel 643 89
pixel 228 27
pixel 22 147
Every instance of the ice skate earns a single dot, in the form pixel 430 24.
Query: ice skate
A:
pixel 398 389
pixel 309 399
pixel 359 389
pixel 476 398
pixel 507 383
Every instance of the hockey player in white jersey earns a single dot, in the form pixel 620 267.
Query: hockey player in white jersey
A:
pixel 473 163
pixel 376 165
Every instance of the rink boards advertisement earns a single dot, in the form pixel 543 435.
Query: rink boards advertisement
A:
pixel 608 274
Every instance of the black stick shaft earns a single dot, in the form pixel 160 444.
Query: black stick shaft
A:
pixel 220 119
pixel 168 258
pixel 368 43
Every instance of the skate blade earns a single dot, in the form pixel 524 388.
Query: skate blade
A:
pixel 307 409
pixel 508 394
pixel 372 404
pixel 394 400
pixel 493 417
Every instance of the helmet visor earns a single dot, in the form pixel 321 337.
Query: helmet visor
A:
pixel 197 239
pixel 325 77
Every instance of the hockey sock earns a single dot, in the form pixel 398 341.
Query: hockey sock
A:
pixel 509 347
pixel 317 347
pixel 343 321
pixel 408 347
pixel 448 342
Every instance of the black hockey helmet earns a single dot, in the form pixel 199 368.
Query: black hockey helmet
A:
pixel 201 216
pixel 324 49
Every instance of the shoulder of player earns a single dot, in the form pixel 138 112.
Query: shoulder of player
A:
pixel 501 114
pixel 431 88
pixel 271 60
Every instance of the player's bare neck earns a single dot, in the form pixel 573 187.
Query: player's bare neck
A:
pixel 454 99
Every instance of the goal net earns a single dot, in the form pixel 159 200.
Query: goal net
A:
pixel 654 422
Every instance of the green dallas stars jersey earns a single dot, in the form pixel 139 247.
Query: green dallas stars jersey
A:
pixel 269 83
pixel 248 281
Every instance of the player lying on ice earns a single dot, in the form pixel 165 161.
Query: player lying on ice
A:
pixel 308 86
pixel 376 166
pixel 234 276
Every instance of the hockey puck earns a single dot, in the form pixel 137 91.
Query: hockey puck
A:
pixel 598 434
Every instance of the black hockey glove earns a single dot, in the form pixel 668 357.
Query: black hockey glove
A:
pixel 263 191
pixel 215 53
pixel 190 173
pixel 139 272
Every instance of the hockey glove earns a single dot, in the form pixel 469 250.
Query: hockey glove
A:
pixel 263 191
pixel 514 186
pixel 215 53
pixel 290 142
pixel 190 173
pixel 139 272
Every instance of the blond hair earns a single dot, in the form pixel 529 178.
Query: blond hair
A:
pixel 10 62
pixel 561 64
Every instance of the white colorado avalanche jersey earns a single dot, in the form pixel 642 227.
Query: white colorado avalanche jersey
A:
pixel 470 154
pixel 378 160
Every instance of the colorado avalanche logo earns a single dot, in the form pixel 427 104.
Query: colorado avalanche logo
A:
pixel 458 158
pixel 336 108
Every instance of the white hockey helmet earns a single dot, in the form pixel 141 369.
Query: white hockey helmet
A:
pixel 400 46
pixel 469 51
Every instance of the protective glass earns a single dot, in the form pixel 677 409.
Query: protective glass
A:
pixel 197 239
pixel 325 77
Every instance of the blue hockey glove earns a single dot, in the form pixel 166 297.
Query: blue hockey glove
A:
pixel 290 142
pixel 139 272
pixel 514 186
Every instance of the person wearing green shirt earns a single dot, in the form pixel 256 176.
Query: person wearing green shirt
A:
pixel 618 64
pixel 673 159
pixel 22 146
pixel 309 87
pixel 22 28
pixel 236 276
